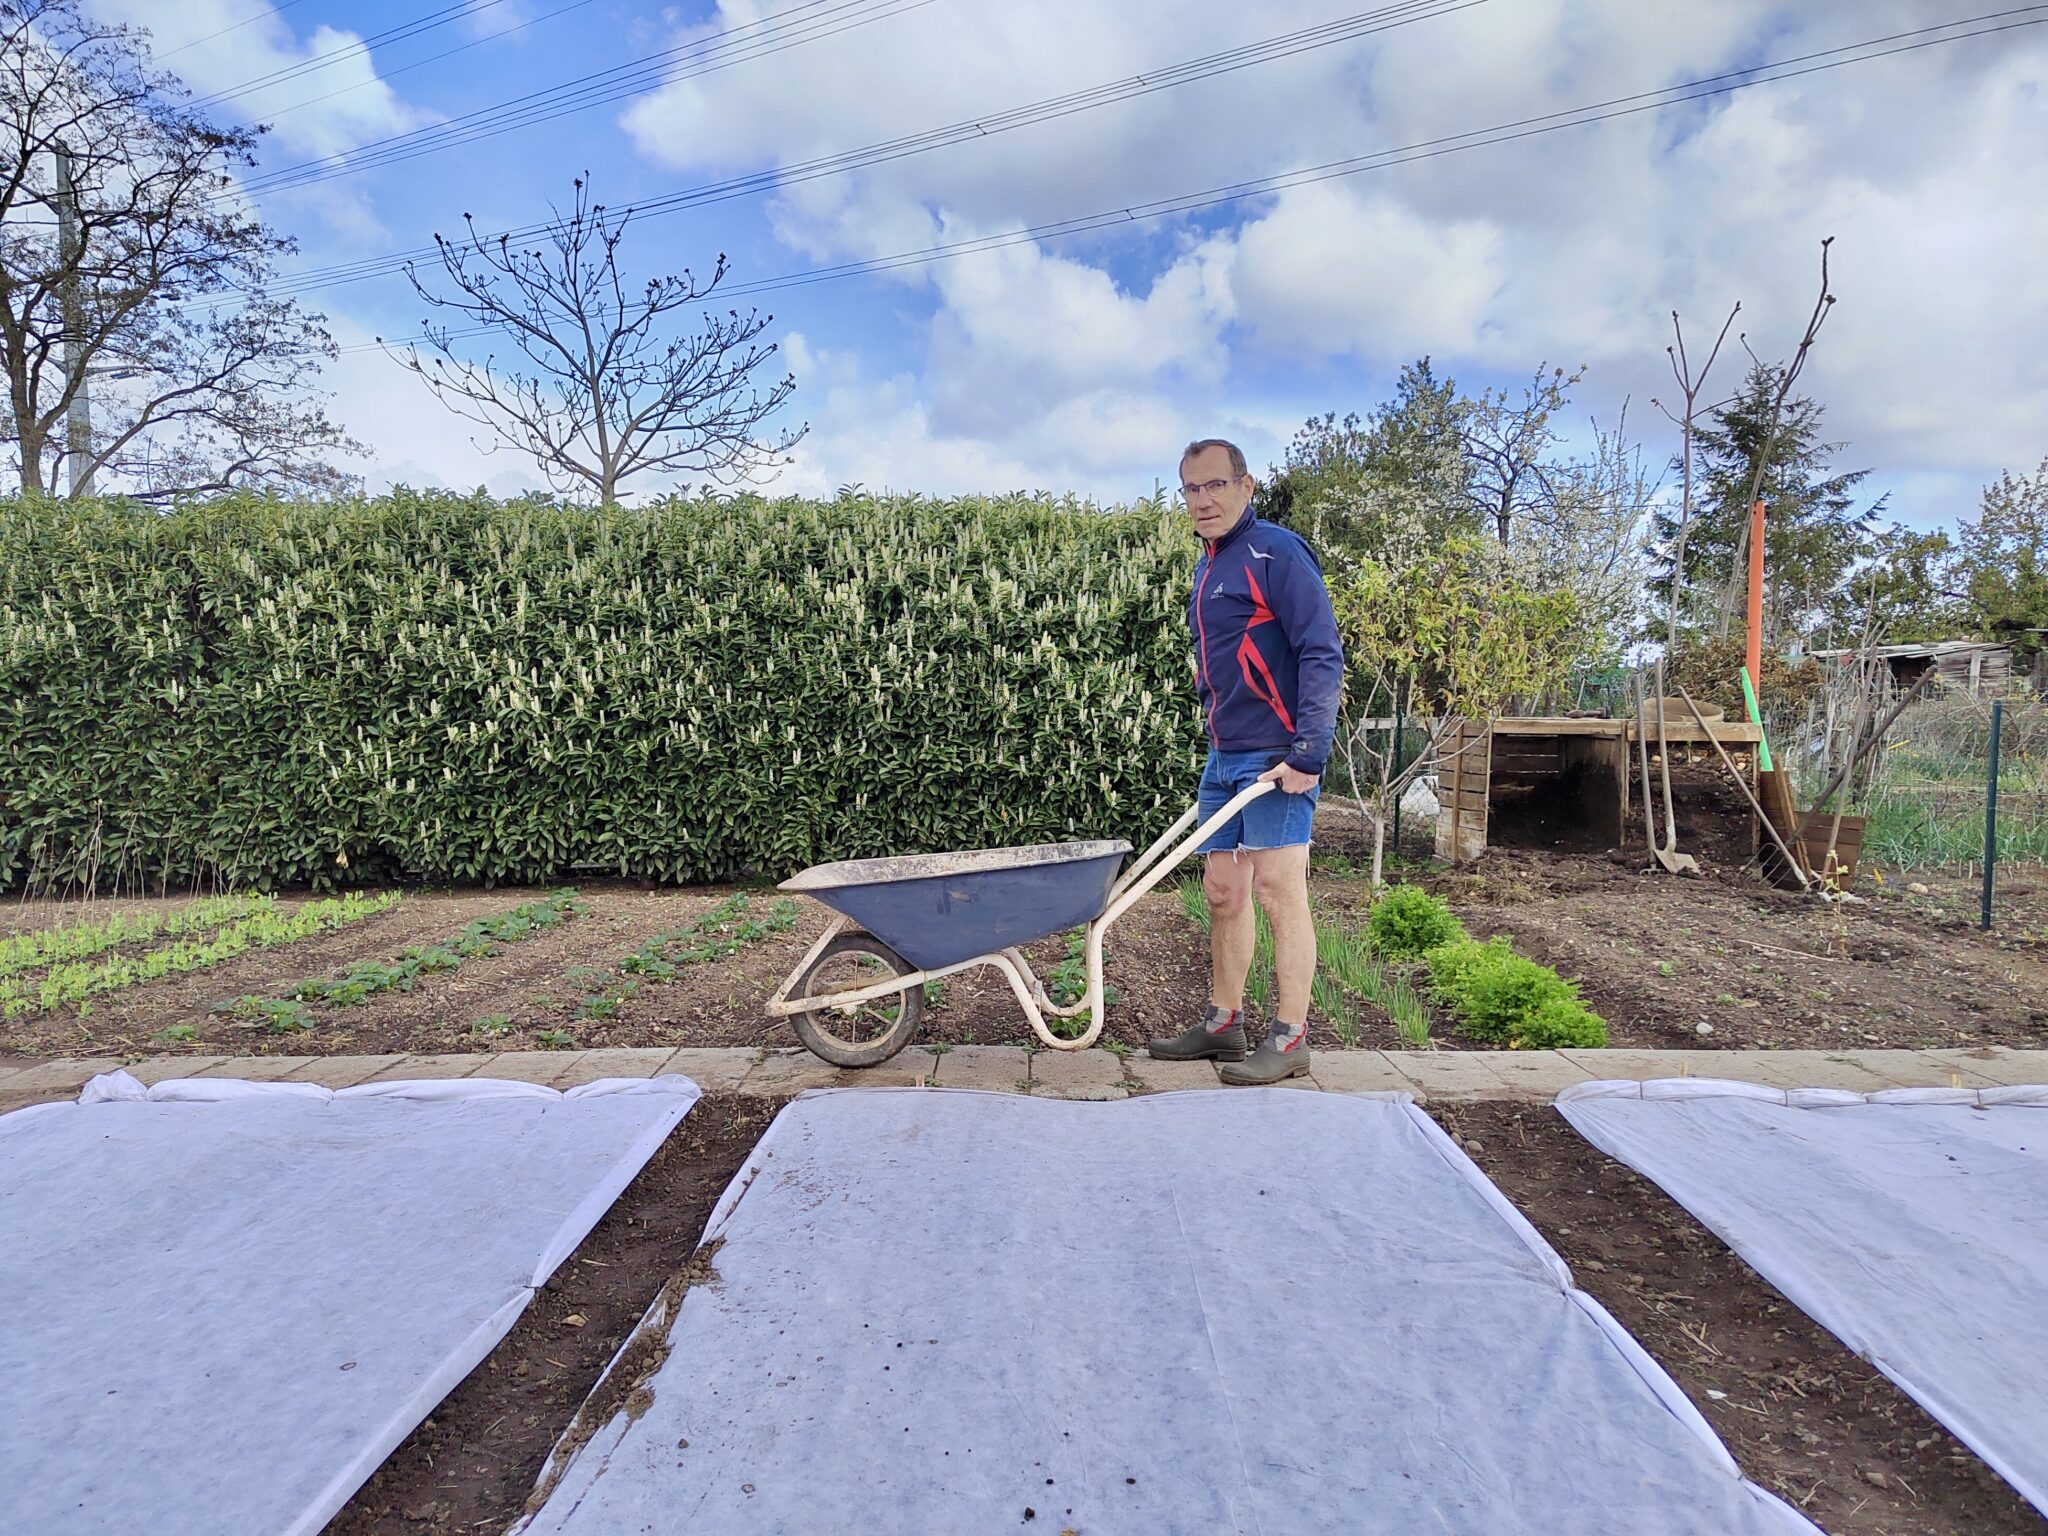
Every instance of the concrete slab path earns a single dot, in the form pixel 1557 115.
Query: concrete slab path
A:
pixel 1433 1076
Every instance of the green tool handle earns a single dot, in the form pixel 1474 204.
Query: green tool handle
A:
pixel 1756 718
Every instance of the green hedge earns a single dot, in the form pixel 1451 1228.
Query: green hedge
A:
pixel 453 688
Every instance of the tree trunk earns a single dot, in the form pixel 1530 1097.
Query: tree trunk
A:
pixel 31 438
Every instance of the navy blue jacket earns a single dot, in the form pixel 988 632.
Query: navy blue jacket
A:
pixel 1267 659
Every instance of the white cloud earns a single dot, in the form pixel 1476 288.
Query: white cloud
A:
pixel 1338 269
pixel 315 113
pixel 1573 246
pixel 414 439
pixel 1113 444
pixel 1063 363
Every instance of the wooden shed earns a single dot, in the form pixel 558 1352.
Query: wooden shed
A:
pixel 1969 666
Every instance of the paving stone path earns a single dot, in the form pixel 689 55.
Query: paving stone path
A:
pixel 1438 1076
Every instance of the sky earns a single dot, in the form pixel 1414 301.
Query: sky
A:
pixel 1081 362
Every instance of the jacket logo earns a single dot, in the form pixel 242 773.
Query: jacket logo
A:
pixel 1218 590
pixel 1260 555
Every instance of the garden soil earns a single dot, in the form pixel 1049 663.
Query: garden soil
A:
pixel 470 1466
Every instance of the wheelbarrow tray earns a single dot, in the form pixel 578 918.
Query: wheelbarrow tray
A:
pixel 938 909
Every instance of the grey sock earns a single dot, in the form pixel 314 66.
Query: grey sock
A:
pixel 1288 1037
pixel 1218 1020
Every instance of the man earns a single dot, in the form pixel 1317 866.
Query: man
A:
pixel 1269 669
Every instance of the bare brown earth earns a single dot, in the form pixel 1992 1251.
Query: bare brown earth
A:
pixel 1656 955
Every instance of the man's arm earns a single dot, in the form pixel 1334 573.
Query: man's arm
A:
pixel 1302 605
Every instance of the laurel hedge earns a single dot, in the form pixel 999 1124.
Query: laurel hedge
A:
pixel 448 687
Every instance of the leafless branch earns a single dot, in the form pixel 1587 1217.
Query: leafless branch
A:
pixel 601 389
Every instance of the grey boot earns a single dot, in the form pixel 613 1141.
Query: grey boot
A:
pixel 1270 1063
pixel 1203 1043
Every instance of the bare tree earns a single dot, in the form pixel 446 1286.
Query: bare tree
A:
pixel 1507 450
pixel 1733 593
pixel 604 392
pixel 1691 386
pixel 138 346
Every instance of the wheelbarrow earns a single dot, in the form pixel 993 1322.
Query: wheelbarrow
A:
pixel 857 997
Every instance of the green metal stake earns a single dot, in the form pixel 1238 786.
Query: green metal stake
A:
pixel 1756 718
pixel 1991 809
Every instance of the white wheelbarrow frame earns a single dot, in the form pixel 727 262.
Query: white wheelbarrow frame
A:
pixel 1145 872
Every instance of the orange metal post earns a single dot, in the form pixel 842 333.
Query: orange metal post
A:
pixel 1756 594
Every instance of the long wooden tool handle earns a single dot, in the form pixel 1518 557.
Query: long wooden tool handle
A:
pixel 1643 753
pixel 1743 785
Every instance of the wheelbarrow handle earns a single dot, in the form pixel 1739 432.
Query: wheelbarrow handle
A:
pixel 1149 867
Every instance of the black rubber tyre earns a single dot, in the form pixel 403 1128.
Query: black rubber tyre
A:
pixel 876 1030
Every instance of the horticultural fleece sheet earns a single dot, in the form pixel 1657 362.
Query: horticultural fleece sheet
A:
pixel 1243 1311
pixel 1911 1224
pixel 227 1302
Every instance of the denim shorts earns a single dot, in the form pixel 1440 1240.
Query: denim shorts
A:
pixel 1274 820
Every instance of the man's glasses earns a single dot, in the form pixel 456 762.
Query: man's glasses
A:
pixel 1206 488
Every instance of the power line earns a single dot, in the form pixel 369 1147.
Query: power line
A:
pixel 1529 127
pixel 1209 67
pixel 432 58
pixel 720 50
pixel 236 26
pixel 320 61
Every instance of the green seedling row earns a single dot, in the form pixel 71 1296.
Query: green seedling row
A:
pixel 81 941
pixel 366 980
pixel 263 929
pixel 724 930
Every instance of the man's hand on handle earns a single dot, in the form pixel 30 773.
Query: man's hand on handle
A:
pixel 1292 781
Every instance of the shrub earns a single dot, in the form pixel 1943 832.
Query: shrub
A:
pixel 1407 921
pixel 1558 1024
pixel 1506 991
pixel 1450 964
pixel 1498 995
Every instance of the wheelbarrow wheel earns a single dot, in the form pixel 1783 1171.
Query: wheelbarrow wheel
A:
pixel 865 1034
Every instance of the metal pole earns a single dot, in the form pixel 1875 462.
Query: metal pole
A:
pixel 1991 809
pixel 1754 653
pixel 78 416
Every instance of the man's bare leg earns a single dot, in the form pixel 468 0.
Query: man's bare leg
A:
pixel 1280 877
pixel 1233 934
pixel 1227 881
pixel 1280 881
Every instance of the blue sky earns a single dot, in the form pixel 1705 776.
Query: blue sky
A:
pixel 1083 364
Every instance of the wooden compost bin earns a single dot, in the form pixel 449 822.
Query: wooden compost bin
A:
pixel 1570 774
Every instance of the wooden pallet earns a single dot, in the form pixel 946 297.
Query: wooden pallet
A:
pixel 1463 786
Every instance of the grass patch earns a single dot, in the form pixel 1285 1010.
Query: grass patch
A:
pixel 1346 967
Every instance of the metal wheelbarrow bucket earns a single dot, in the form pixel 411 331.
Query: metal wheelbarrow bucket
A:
pixel 857 997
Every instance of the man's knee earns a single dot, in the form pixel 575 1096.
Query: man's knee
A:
pixel 1227 882
pixel 1281 881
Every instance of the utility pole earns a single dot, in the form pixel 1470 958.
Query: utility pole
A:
pixel 78 417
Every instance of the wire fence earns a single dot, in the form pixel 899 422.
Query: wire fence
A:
pixel 1924 787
